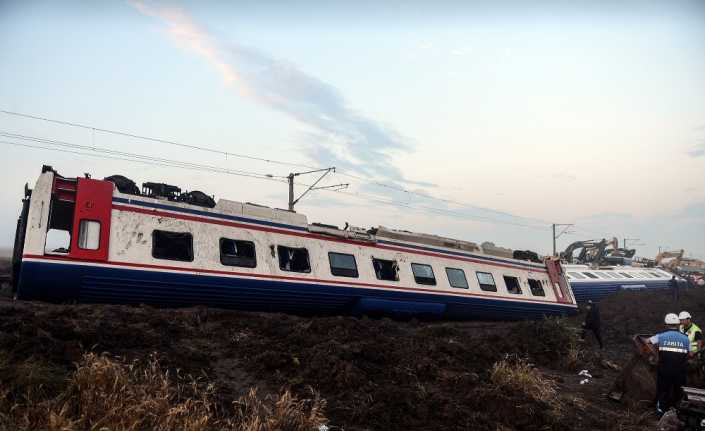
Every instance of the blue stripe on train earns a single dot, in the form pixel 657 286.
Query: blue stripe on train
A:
pixel 58 282
pixel 584 291
pixel 208 214
pixel 523 264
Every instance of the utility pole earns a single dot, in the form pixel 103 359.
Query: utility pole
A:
pixel 629 239
pixel 292 175
pixel 564 231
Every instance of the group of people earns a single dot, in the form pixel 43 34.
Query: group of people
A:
pixel 680 344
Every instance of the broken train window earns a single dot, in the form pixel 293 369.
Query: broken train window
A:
pixel 293 259
pixel 536 288
pixel 58 239
pixel 512 284
pixel 386 269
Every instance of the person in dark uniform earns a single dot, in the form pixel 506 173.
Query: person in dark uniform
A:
pixel 673 347
pixel 592 322
pixel 673 285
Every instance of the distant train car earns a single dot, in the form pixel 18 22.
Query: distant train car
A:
pixel 98 241
pixel 593 284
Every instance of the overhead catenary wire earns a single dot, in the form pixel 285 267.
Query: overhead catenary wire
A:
pixel 122 153
pixel 164 162
pixel 160 140
pixel 427 196
pixel 71 148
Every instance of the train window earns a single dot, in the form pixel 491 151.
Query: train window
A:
pixel 576 275
pixel 536 288
pixel 626 275
pixel 58 241
pixel 512 284
pixel 386 269
pixel 342 265
pixel 456 278
pixel 590 274
pixel 423 274
pixel 293 259
pixel 89 235
pixel 486 281
pixel 172 245
pixel 235 252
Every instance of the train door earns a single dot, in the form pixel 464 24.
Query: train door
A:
pixel 91 220
pixel 558 281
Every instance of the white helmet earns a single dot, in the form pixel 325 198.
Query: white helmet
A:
pixel 672 319
pixel 684 315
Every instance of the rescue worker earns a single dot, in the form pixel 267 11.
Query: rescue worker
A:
pixel 592 322
pixel 673 348
pixel 673 285
pixel 695 335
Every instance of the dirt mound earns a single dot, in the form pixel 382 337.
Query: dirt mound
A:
pixel 627 313
pixel 372 373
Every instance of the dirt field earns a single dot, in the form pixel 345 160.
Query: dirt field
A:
pixel 374 374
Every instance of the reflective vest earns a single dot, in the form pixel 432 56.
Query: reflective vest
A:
pixel 690 332
pixel 672 343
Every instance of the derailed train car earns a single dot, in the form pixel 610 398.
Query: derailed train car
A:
pixel 105 241
pixel 595 283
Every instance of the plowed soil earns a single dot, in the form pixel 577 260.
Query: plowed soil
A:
pixel 376 374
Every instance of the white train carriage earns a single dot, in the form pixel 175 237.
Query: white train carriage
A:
pixel 137 247
pixel 593 284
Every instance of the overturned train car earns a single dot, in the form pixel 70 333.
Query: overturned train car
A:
pixel 105 241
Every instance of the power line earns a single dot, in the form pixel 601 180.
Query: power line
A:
pixel 148 138
pixel 278 162
pixel 439 199
pixel 440 211
pixel 132 157
pixel 145 160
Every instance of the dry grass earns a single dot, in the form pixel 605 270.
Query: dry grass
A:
pixel 287 413
pixel 572 358
pixel 518 375
pixel 108 394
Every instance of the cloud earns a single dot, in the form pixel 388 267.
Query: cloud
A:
pixel 337 134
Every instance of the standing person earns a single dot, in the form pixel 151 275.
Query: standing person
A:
pixel 592 322
pixel 673 347
pixel 695 335
pixel 673 284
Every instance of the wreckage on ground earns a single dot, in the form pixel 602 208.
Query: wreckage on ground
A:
pixel 88 240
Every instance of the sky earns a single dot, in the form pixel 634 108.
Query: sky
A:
pixel 485 121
